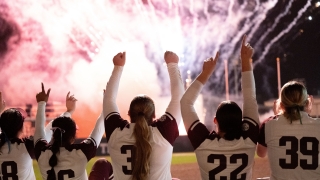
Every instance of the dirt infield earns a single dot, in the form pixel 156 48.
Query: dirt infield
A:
pixel 191 171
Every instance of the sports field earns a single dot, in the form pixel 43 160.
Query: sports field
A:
pixel 184 166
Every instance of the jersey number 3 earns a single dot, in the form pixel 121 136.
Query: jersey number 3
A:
pixel 9 174
pixel 223 165
pixel 124 150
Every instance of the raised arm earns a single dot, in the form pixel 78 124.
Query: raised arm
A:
pixel 250 106
pixel 176 85
pixel 71 106
pixel 109 99
pixel 98 130
pixel 189 114
pixel 42 99
pixel 2 103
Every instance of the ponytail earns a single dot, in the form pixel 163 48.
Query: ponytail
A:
pixel 55 148
pixel 232 133
pixel 229 117
pixel 64 131
pixel 294 98
pixel 141 113
pixel 143 149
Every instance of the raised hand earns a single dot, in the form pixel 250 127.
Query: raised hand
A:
pixel 246 55
pixel 70 103
pixel 43 96
pixel 2 103
pixel 119 59
pixel 171 57
pixel 208 68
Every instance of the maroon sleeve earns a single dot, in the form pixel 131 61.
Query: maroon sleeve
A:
pixel 40 146
pixel 197 133
pixel 262 139
pixel 88 148
pixel 28 142
pixel 250 129
pixel 168 127
pixel 262 136
pixel 113 121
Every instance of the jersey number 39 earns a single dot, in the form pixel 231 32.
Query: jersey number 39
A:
pixel 311 150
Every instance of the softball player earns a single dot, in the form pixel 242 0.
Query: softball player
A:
pixel 291 137
pixel 143 148
pixel 15 153
pixel 227 153
pixel 61 159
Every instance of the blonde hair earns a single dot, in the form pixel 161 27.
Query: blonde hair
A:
pixel 141 113
pixel 294 98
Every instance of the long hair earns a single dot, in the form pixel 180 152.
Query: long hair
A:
pixel 294 98
pixel 229 117
pixel 141 113
pixel 64 131
pixel 11 123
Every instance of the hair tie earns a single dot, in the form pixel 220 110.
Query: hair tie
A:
pixel 140 114
pixel 7 141
pixel 61 131
pixel 55 128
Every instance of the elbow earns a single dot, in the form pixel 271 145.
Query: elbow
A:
pixel 261 151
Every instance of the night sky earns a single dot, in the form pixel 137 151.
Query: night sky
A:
pixel 298 50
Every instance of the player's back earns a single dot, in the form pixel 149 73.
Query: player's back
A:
pixel 17 164
pixel 293 148
pixel 219 158
pixel 72 161
pixel 120 147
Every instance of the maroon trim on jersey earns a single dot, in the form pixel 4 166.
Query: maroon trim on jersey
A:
pixel 29 146
pixel 113 121
pixel 168 127
pixel 262 136
pixel 28 142
pixel 250 129
pixel 87 146
pixel 41 145
pixel 197 133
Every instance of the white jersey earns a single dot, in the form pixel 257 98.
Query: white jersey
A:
pixel 121 141
pixel 293 148
pixel 219 158
pixel 17 164
pixel 72 159
pixel 164 130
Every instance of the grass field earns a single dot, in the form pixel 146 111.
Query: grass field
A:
pixel 177 158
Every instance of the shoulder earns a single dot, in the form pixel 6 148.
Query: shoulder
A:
pixel 271 119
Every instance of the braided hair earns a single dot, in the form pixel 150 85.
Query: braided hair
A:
pixel 64 131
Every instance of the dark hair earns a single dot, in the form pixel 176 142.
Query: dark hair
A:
pixel 141 113
pixel 64 131
pixel 229 117
pixel 294 98
pixel 11 123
